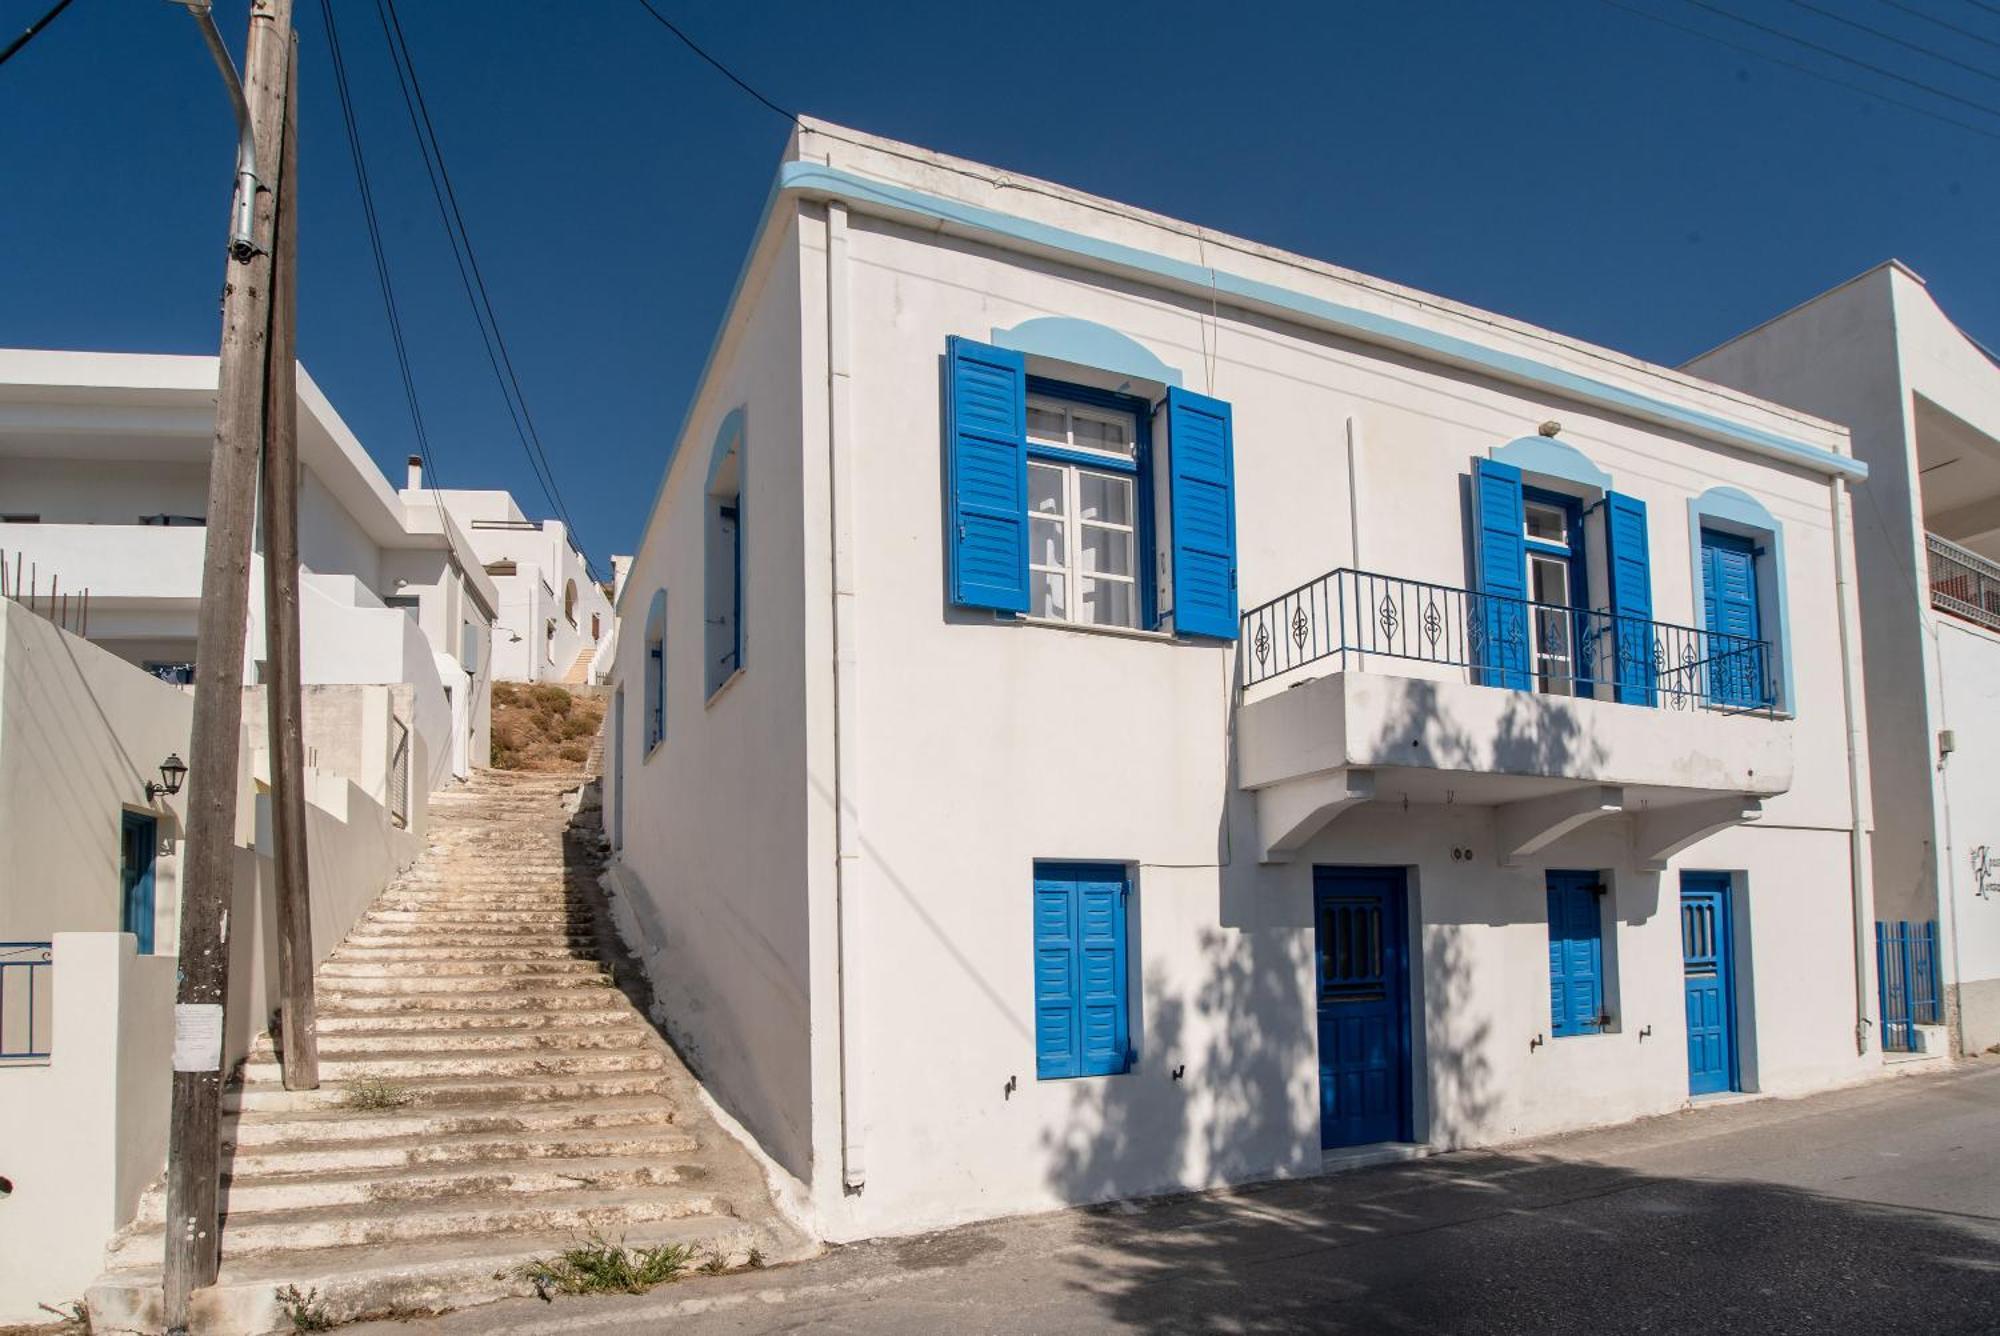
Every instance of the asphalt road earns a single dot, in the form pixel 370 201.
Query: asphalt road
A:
pixel 1868 1210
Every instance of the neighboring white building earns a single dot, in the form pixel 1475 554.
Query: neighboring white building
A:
pixel 104 487
pixel 1024 795
pixel 1923 400
pixel 553 618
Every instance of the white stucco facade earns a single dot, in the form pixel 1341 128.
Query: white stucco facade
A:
pixel 553 621
pixel 1923 400
pixel 103 487
pixel 828 859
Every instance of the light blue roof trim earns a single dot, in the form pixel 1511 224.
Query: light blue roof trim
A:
pixel 1086 343
pixel 1554 458
pixel 1728 503
pixel 819 178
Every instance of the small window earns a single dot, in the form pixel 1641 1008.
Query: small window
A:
pixel 1546 523
pixel 569 601
pixel 1083 519
pixel 655 703
pixel 1576 954
pixel 596 628
pixel 501 568
pixel 179 674
pixel 468 647
pixel 409 603
pixel 722 609
pixel 1082 992
pixel 174 521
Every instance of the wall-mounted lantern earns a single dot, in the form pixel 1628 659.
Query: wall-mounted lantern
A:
pixel 172 771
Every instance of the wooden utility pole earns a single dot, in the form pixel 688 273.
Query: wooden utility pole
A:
pixel 208 866
pixel 298 1030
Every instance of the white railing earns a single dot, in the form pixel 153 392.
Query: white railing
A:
pixel 1963 583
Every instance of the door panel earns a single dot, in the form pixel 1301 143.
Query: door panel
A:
pixel 137 846
pixel 1706 953
pixel 1363 986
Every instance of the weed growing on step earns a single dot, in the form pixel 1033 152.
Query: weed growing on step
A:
pixel 598 1266
pixel 75 1317
pixel 306 1312
pixel 715 1264
pixel 371 1092
pixel 755 1260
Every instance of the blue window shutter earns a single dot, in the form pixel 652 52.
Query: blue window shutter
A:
pixel 1500 561
pixel 1627 555
pixel 1576 959
pixel 1737 671
pixel 986 436
pixel 1202 497
pixel 1082 1021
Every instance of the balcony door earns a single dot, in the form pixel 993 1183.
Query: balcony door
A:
pixel 1553 536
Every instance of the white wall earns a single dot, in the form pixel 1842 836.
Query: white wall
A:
pixel 1967 692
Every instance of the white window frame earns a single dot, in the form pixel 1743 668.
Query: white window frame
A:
pixel 1071 471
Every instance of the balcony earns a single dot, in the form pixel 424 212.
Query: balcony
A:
pixel 1963 583
pixel 1363 687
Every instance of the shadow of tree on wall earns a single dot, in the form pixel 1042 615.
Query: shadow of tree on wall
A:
pixel 1480 1243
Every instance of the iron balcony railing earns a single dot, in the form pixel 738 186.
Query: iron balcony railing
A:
pixel 1964 583
pixel 26 990
pixel 1347 615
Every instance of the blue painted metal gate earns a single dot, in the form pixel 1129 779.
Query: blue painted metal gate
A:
pixel 1706 955
pixel 1364 1024
pixel 1906 978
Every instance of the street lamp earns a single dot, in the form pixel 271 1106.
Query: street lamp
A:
pixel 172 771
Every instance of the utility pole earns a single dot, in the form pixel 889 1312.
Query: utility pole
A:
pixel 207 869
pixel 298 1029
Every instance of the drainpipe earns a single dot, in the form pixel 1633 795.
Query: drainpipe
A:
pixel 846 788
pixel 1861 874
pixel 242 243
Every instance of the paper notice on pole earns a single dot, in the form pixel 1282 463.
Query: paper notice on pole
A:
pixel 198 1037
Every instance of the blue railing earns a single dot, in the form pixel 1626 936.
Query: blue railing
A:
pixel 1907 981
pixel 1347 614
pixel 26 981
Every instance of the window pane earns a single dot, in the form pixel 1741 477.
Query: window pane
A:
pixel 1047 594
pixel 1106 551
pixel 1045 489
pixel 1547 523
pixel 1109 603
pixel 1047 424
pixel 1045 543
pixel 1097 434
pixel 1105 497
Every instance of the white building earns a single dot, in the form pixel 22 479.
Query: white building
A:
pixel 553 619
pixel 1024 795
pixel 1923 400
pixel 104 487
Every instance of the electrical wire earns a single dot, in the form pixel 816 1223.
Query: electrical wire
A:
pixel 1809 45
pixel 1946 24
pixel 1894 40
pixel 454 218
pixel 29 33
pixel 382 278
pixel 1799 68
pixel 723 69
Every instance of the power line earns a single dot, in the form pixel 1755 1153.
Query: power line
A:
pixel 455 228
pixel 726 72
pixel 1782 35
pixel 28 33
pixel 1946 24
pixel 1890 37
pixel 1799 68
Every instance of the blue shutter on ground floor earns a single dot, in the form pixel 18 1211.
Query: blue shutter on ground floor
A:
pixel 1576 955
pixel 1082 1025
pixel 986 475
pixel 1202 496
pixel 1497 626
pixel 1628 556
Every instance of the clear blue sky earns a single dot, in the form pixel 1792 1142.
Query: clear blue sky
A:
pixel 1567 163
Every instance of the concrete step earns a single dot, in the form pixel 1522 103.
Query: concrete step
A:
pixel 393 1066
pixel 365 951
pixel 625 1032
pixel 358 1283
pixel 449 916
pixel 578 1211
pixel 397 969
pixel 651 1144
pixel 444 1091
pixel 406 986
pixel 416 934
pixel 613 1010
pixel 325 1127
pixel 459 899
pixel 246 1199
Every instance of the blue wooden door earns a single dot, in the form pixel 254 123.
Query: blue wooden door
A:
pixel 1706 954
pixel 137 845
pixel 1737 672
pixel 1364 1023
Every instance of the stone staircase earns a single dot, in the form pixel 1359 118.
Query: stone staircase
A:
pixel 488 1093
pixel 579 672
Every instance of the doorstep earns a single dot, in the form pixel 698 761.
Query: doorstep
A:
pixel 1346 1159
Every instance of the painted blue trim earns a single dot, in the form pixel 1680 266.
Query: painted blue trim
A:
pixel 135 910
pixel 1088 344
pixel 1140 465
pixel 1057 454
pixel 1067 897
pixel 1728 509
pixel 1552 458
pixel 820 179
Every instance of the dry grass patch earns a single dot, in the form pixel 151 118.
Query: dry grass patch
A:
pixel 542 726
